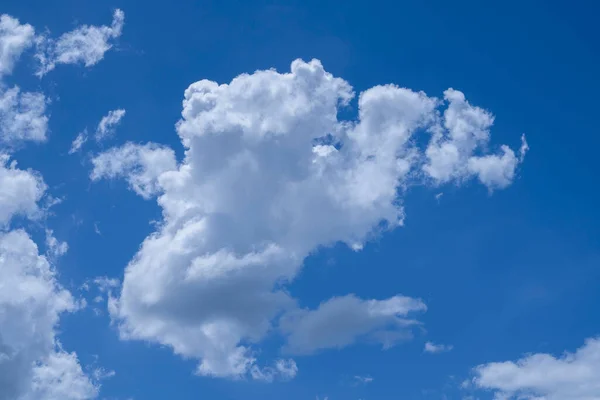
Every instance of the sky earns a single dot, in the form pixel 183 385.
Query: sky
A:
pixel 306 200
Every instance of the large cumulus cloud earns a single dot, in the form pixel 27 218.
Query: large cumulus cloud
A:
pixel 269 175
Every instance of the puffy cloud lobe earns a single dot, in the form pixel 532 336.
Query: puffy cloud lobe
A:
pixel 108 123
pixel 22 116
pixel 340 321
pixel 464 130
pixel 60 377
pixel 21 190
pixel 32 364
pixel 573 376
pixel 85 45
pixel 14 39
pixel 140 165
pixel 258 190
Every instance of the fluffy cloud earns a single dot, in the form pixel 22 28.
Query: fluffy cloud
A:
pixel 436 348
pixel 108 123
pixel 60 377
pixel 270 174
pixel 465 129
pixel 85 45
pixel 573 376
pixel 340 321
pixel 32 364
pixel 21 190
pixel 22 116
pixel 140 165
pixel 14 39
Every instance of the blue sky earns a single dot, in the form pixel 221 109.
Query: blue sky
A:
pixel 263 262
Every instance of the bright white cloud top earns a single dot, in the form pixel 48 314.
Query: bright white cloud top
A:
pixel 270 174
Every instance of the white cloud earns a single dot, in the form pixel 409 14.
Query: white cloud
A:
pixel 32 363
pixel 286 368
pixel 463 131
pixel 253 197
pixel 494 171
pixel 341 321
pixel 108 124
pixel 283 370
pixel 436 348
pixel 78 142
pixel 573 376
pixel 85 45
pixel 140 165
pixel 14 39
pixel 60 377
pixel 22 116
pixel 55 248
pixel 21 190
